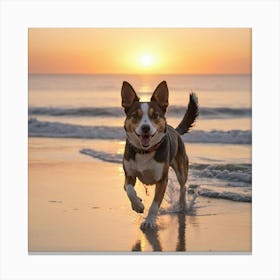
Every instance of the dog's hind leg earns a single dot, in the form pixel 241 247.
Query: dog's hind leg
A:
pixel 182 179
pixel 150 221
pixel 136 202
pixel 180 164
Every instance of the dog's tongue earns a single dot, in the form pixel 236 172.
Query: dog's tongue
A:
pixel 145 140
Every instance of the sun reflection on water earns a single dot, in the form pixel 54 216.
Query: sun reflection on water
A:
pixel 145 97
pixel 120 149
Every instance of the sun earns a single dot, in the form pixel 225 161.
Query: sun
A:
pixel 144 62
pixel 147 60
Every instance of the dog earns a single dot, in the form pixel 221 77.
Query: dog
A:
pixel 152 146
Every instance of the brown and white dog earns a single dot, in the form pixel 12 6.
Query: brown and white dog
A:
pixel 152 146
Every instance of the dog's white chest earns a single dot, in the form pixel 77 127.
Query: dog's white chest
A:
pixel 145 168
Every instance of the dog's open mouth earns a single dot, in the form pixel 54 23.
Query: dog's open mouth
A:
pixel 145 139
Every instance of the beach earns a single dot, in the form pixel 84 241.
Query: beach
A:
pixel 77 204
pixel 76 200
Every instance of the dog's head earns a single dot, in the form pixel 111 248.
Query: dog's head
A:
pixel 145 122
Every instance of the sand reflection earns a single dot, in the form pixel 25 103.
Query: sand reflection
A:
pixel 153 237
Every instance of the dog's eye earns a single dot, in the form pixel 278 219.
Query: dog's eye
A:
pixel 134 115
pixel 155 115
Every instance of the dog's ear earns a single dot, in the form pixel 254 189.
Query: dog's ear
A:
pixel 129 95
pixel 160 95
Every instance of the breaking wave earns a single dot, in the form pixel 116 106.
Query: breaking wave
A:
pixel 224 194
pixel 63 130
pixel 228 172
pixel 205 112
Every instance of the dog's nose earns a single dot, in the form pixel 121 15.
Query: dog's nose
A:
pixel 145 128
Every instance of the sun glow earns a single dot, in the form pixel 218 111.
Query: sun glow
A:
pixel 147 60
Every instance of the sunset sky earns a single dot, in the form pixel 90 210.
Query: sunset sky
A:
pixel 137 50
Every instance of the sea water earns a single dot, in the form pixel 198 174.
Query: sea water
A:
pixel 89 107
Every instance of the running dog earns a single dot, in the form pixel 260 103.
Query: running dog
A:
pixel 152 146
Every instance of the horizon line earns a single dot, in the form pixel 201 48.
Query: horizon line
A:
pixel 43 73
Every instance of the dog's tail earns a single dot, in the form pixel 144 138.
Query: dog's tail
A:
pixel 190 115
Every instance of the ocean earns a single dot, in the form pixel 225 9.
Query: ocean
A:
pixel 89 107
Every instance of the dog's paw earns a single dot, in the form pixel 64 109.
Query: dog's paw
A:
pixel 136 204
pixel 149 224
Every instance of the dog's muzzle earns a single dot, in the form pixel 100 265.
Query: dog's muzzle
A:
pixel 145 137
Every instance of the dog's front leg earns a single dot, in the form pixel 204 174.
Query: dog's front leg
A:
pixel 136 202
pixel 150 222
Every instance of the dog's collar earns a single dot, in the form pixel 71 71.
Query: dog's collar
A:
pixel 150 150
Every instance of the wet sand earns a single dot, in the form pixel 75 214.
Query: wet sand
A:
pixel 77 204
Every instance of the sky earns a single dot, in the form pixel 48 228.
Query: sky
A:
pixel 139 50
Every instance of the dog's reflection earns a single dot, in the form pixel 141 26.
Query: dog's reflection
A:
pixel 181 241
pixel 153 237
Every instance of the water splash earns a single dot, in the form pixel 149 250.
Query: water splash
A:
pixel 172 195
